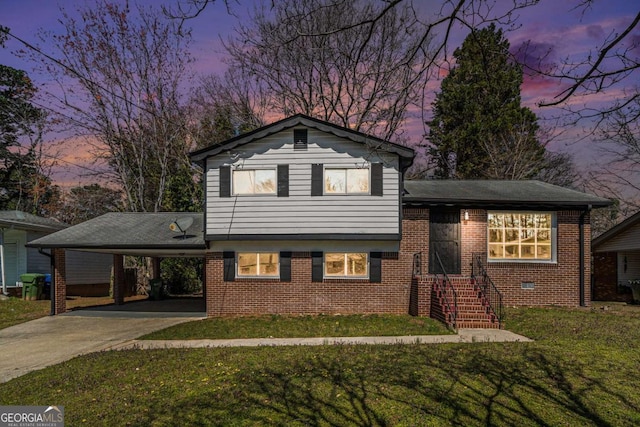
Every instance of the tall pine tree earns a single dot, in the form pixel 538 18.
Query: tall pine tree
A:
pixel 479 129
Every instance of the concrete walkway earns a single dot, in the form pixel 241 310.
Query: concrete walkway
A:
pixel 463 336
pixel 50 340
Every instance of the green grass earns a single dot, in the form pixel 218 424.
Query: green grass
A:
pixel 582 370
pixel 301 326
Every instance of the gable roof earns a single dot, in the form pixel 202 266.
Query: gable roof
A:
pixel 497 193
pixel 131 233
pixel 26 221
pixel 616 230
pixel 406 154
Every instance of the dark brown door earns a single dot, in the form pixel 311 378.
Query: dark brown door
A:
pixel 444 240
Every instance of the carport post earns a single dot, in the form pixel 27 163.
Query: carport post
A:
pixel 118 279
pixel 59 281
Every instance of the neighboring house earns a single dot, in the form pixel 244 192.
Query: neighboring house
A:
pixel 87 271
pixel 306 217
pixel 616 260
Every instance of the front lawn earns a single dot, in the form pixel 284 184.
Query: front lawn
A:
pixel 301 326
pixel 582 370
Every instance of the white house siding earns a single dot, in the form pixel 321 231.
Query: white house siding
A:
pixel 88 268
pixel 36 262
pixel 301 213
pixel 625 241
pixel 628 266
pixel 15 256
pixel 305 246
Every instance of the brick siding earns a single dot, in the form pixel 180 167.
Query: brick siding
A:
pixel 399 293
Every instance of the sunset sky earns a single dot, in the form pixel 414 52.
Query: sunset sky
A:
pixel 553 26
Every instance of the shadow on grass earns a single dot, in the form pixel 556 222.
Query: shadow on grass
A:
pixel 408 385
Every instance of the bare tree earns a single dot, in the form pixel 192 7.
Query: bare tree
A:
pixel 223 107
pixel 128 65
pixel 359 77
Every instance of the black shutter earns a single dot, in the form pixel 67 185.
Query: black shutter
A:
pixel 376 179
pixel 316 179
pixel 285 266
pixel 229 266
pixel 225 181
pixel 375 267
pixel 283 180
pixel 316 267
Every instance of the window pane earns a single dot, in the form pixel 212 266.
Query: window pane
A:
pixel 544 236
pixel 334 264
pixel 496 236
pixel 528 251
pixel 357 180
pixel 511 251
pixel 265 181
pixel 495 220
pixel 544 220
pixel 511 236
pixel 357 264
pixel 269 264
pixel 544 252
pixel 496 251
pixel 247 264
pixel 334 181
pixel 242 182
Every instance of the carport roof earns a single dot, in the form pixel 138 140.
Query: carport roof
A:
pixel 497 193
pixel 130 233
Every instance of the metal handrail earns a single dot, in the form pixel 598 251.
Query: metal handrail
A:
pixel 445 287
pixel 489 290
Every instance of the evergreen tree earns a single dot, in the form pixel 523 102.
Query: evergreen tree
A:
pixel 479 129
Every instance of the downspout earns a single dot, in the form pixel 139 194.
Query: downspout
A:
pixel 3 276
pixel 52 292
pixel 581 254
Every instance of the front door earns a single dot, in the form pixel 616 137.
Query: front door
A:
pixel 444 240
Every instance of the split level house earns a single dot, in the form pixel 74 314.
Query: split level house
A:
pixel 306 217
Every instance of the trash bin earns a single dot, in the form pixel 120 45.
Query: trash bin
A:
pixel 156 289
pixel 46 288
pixel 32 284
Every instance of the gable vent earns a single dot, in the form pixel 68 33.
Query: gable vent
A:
pixel 299 139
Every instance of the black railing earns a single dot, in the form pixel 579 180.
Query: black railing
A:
pixel 490 293
pixel 417 264
pixel 449 295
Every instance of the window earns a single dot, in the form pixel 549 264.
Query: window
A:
pixel 346 265
pixel 258 264
pixel 346 181
pixel 520 236
pixel 254 181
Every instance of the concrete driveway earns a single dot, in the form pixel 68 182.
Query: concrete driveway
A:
pixel 50 340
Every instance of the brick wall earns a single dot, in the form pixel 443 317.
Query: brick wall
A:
pixel 60 281
pixel 554 283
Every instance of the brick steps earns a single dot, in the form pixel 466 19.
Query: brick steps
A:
pixel 473 310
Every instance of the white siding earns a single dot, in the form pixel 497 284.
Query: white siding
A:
pixel 300 213
pixel 632 267
pixel 626 240
pixel 88 268
pixel 15 255
pixel 36 262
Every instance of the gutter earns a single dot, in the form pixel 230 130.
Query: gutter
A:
pixel 2 270
pixel 581 255
pixel 52 288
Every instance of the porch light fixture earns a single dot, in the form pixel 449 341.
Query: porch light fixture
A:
pixel 466 215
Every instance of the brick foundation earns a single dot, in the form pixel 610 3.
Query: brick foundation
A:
pixel 60 281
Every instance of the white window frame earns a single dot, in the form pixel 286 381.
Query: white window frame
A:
pixel 346 180
pixel 345 273
pixel 253 172
pixel 553 238
pixel 275 275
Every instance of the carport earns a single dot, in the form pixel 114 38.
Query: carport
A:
pixel 154 235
